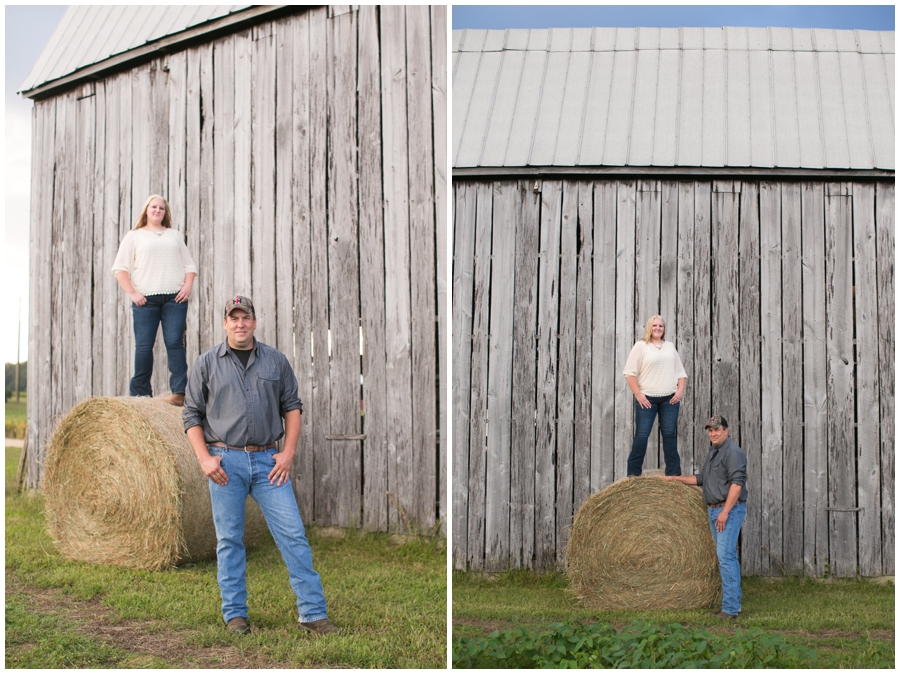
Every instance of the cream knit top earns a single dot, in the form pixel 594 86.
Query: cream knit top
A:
pixel 657 370
pixel 156 263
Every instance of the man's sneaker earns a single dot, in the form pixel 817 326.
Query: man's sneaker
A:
pixel 320 627
pixel 725 616
pixel 238 625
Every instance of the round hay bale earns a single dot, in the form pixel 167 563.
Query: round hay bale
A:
pixel 122 486
pixel 644 543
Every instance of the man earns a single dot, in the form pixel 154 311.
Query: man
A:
pixel 724 479
pixel 236 397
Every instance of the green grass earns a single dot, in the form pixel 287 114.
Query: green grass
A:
pixel 848 622
pixel 387 594
pixel 16 417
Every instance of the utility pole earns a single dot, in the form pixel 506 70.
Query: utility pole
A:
pixel 18 346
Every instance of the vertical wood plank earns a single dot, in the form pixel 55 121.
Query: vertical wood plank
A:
pixel 110 187
pixel 703 312
pixel 209 328
pixel 840 382
pixel 320 410
pixel 397 262
pixel 307 480
pixel 522 458
pixel 565 405
pixel 868 454
pixel 463 313
pixel 547 363
pixel 263 249
pixel 584 310
pixel 439 107
pixel 884 232
pixel 606 373
pixel 193 187
pixel 343 269
pixel 242 184
pixel 499 384
pixel 792 377
pixel 126 221
pixel 770 293
pixel 815 396
pixel 725 207
pixel 423 317
pixel 97 245
pixel 98 283
pixel 223 159
pixel 283 243
pixel 371 273
pixel 625 317
pixel 478 404
pixel 749 431
pixel 67 242
pixel 684 320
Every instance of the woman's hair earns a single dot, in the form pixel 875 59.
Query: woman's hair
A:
pixel 142 218
pixel 648 331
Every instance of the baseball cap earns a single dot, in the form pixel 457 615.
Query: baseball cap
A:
pixel 716 421
pixel 239 302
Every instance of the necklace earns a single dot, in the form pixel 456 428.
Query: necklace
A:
pixel 658 347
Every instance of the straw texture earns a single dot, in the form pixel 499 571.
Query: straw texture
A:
pixel 122 486
pixel 644 543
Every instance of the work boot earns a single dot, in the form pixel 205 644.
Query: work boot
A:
pixel 320 627
pixel 724 616
pixel 176 399
pixel 238 625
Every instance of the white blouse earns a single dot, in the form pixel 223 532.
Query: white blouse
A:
pixel 156 263
pixel 657 369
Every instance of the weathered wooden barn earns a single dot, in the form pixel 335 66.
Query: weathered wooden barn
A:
pixel 303 152
pixel 737 181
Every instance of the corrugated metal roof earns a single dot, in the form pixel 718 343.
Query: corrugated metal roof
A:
pixel 89 34
pixel 674 97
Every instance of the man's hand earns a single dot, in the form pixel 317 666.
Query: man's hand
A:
pixel 721 520
pixel 281 473
pixel 211 466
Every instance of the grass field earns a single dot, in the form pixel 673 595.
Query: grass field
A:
pixel 387 594
pixel 16 417
pixel 850 623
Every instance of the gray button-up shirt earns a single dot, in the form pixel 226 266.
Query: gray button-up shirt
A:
pixel 239 406
pixel 725 465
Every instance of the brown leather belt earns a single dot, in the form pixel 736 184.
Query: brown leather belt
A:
pixel 248 448
pixel 719 505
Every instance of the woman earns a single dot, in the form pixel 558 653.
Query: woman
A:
pixel 156 271
pixel 656 377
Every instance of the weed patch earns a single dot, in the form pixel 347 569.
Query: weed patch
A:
pixel 638 645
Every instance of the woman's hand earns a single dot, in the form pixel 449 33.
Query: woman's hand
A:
pixel 642 400
pixel 138 299
pixel 676 397
pixel 184 293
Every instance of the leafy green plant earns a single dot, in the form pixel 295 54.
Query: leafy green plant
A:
pixel 639 645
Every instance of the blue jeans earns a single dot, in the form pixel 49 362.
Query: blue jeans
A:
pixel 726 550
pixel 173 316
pixel 248 475
pixel 643 424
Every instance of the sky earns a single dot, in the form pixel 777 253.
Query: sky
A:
pixel 28 29
pixel 499 17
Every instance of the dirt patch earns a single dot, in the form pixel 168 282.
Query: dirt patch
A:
pixel 143 640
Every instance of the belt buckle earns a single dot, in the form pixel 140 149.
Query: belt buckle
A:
pixel 246 451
